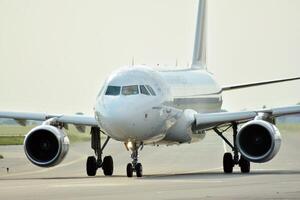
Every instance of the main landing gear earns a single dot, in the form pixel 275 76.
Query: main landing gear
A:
pixel 134 166
pixel 94 163
pixel 230 161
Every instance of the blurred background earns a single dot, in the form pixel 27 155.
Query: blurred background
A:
pixel 55 55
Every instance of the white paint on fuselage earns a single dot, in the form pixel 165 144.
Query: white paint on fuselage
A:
pixel 193 89
pixel 145 118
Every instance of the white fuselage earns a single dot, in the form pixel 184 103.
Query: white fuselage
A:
pixel 126 112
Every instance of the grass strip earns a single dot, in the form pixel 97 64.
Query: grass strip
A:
pixel 14 135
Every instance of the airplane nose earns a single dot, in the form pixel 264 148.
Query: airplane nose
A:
pixel 110 110
pixel 115 118
pixel 125 119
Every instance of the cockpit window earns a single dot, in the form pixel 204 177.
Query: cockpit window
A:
pixel 151 90
pixel 130 90
pixel 144 90
pixel 113 90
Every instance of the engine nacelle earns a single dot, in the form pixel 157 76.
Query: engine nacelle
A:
pixel 46 146
pixel 258 141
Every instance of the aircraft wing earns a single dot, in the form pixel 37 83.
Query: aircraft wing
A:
pixel 234 87
pixel 22 117
pixel 210 120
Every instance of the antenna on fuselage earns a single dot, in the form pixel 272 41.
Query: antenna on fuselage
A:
pixel 199 54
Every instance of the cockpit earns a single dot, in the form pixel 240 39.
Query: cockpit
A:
pixel 130 90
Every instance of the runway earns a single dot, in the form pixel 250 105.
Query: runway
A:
pixel 190 171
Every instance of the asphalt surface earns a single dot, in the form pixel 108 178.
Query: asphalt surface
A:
pixel 190 171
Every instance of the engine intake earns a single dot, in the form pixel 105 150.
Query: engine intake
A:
pixel 258 141
pixel 46 146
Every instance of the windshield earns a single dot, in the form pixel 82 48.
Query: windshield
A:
pixel 151 90
pixel 113 90
pixel 144 90
pixel 130 90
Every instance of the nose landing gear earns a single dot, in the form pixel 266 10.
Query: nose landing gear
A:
pixel 134 166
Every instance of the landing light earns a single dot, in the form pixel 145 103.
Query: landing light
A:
pixel 129 145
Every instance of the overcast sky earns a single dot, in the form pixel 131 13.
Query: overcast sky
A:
pixel 55 54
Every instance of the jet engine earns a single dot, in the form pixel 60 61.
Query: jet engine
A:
pixel 46 145
pixel 258 141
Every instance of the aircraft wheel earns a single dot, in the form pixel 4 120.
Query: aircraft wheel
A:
pixel 139 170
pixel 129 170
pixel 227 163
pixel 244 165
pixel 108 166
pixel 91 166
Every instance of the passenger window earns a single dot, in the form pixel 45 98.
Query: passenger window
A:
pixel 144 90
pixel 130 90
pixel 151 90
pixel 113 90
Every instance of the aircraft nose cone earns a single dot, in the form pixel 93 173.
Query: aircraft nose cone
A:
pixel 114 118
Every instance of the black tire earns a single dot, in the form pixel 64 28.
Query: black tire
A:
pixel 129 170
pixel 91 166
pixel 108 166
pixel 244 165
pixel 227 163
pixel 139 170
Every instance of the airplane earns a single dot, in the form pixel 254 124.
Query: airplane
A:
pixel 141 105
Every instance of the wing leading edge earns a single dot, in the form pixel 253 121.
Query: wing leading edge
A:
pixel 211 120
pixel 81 120
pixel 234 87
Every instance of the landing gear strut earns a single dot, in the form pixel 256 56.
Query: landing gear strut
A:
pixel 230 161
pixel 94 163
pixel 134 166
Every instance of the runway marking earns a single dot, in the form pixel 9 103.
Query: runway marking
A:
pixel 194 181
pixel 46 169
pixel 88 185
pixel 126 183
pixel 206 170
